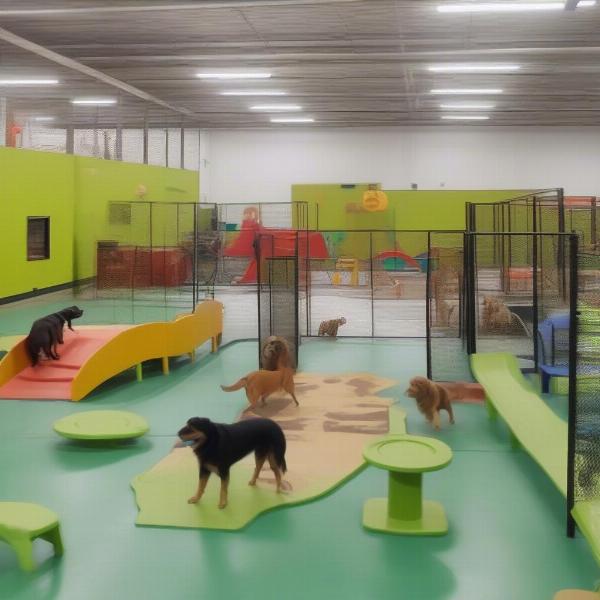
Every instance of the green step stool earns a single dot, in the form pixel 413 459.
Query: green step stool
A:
pixel 21 523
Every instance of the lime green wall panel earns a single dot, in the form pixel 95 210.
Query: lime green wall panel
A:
pixel 99 182
pixel 335 204
pixel 75 193
pixel 35 184
pixel 407 210
pixel 438 210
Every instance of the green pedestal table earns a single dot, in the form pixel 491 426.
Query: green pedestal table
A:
pixel 406 458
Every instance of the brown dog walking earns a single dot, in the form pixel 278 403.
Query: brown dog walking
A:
pixel 261 384
pixel 431 398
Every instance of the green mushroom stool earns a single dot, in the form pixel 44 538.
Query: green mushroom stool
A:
pixel 404 512
pixel 21 523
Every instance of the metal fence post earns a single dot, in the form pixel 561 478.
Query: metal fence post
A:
pixel 470 292
pixel 296 299
pixel 428 309
pixel 573 330
pixel 535 282
pixel 372 288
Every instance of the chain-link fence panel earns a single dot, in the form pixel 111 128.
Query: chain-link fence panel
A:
pixel 586 457
pixel 447 358
pixel 277 294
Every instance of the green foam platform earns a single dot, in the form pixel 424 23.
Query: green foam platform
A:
pixel 541 433
pixel 101 425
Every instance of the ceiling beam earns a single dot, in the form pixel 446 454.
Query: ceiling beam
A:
pixel 349 56
pixel 571 4
pixel 134 8
pixel 64 61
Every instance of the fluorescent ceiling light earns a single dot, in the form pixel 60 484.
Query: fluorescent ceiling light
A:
pixel 28 81
pixel 293 120
pixel 482 106
pixel 255 93
pixel 94 101
pixel 283 107
pixel 465 117
pixel 508 6
pixel 233 75
pixel 467 91
pixel 43 119
pixel 474 68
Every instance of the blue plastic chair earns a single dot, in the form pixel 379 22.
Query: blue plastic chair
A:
pixel 553 338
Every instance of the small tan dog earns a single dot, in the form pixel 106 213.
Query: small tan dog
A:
pixel 261 384
pixel 431 397
pixel 496 316
pixel 331 327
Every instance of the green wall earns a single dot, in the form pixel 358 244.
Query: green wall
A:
pixel 35 184
pixel 99 182
pixel 75 193
pixel 332 213
pixel 407 210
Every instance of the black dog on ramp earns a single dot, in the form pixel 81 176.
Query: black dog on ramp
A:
pixel 46 333
pixel 218 446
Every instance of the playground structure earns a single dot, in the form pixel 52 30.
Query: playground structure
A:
pixel 393 283
pixel 282 243
pixel 444 278
pixel 95 354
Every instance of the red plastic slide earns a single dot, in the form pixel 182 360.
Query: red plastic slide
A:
pixel 282 244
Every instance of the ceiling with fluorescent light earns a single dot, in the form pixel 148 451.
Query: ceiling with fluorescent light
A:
pixel 345 62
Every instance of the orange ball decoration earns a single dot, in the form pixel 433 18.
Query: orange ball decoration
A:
pixel 374 200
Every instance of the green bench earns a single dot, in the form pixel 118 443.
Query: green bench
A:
pixel 535 426
pixel 21 523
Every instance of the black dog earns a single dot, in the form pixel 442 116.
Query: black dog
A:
pixel 46 333
pixel 218 447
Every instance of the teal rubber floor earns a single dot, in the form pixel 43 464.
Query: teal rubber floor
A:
pixel 507 522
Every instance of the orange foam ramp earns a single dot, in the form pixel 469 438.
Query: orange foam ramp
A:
pixel 52 379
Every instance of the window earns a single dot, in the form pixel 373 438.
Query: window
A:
pixel 38 238
pixel 119 214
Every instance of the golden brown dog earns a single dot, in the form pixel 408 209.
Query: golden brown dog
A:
pixel 276 354
pixel 496 316
pixel 331 327
pixel 260 384
pixel 431 397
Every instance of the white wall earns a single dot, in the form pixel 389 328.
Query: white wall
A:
pixel 250 166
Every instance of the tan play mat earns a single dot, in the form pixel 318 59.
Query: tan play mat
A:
pixel 337 417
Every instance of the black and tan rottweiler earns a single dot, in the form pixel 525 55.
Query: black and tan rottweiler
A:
pixel 46 333
pixel 218 446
